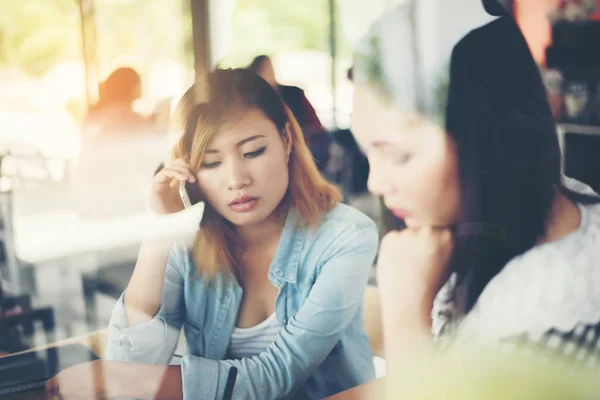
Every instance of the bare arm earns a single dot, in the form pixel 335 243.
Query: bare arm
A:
pixel 411 268
pixel 407 330
pixel 144 292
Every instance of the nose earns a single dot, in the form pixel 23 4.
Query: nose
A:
pixel 238 176
pixel 380 180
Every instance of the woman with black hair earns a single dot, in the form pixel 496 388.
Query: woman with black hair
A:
pixel 314 132
pixel 498 246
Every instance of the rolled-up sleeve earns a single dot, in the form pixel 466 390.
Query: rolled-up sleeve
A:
pixel 154 341
pixel 307 338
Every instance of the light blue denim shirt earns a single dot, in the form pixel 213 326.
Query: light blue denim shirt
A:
pixel 321 347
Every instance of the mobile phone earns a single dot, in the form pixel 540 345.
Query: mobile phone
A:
pixel 190 193
pixel 185 197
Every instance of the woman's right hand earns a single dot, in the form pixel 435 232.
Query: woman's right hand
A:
pixel 411 268
pixel 164 195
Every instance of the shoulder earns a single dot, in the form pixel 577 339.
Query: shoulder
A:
pixel 482 35
pixel 344 216
pixel 344 226
pixel 552 286
pixel 291 91
pixel 345 244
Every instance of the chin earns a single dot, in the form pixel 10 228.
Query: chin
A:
pixel 248 218
pixel 411 222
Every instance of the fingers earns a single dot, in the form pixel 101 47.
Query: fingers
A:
pixel 428 233
pixel 431 230
pixel 175 170
pixel 179 161
pixel 180 168
pixel 178 172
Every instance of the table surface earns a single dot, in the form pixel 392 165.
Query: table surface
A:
pixel 96 342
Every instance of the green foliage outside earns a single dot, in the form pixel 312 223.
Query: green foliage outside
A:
pixel 265 26
pixel 36 35
pixel 144 30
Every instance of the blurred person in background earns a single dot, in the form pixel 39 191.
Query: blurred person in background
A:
pixel 273 284
pixel 499 249
pixel 114 113
pixel 120 151
pixel 315 134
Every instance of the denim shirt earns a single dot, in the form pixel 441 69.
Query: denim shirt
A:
pixel 321 347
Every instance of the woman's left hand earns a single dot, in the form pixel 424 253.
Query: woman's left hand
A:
pixel 106 379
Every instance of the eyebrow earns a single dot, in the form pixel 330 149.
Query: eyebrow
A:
pixel 240 143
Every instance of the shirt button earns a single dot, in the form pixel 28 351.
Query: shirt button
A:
pixel 125 342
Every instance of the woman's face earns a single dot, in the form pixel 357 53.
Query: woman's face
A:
pixel 413 161
pixel 244 174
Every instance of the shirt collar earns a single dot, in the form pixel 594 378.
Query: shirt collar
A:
pixel 284 267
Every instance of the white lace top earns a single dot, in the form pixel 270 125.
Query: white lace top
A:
pixel 552 288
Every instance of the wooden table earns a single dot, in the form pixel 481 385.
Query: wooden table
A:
pixel 95 341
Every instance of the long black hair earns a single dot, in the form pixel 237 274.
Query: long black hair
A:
pixel 508 153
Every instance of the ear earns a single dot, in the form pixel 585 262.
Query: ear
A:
pixel 287 141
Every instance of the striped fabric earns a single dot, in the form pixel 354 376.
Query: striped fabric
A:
pixel 579 347
pixel 248 342
pixel 545 302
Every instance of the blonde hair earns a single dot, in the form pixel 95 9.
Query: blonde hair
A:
pixel 231 92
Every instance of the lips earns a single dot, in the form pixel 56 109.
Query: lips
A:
pixel 399 213
pixel 241 200
pixel 243 204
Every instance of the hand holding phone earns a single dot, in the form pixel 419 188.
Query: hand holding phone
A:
pixel 190 193
pixel 173 185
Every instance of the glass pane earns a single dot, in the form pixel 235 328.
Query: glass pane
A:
pixel 153 37
pixel 42 100
pixel 73 190
pixel 296 37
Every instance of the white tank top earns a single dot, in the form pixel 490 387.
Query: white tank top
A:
pixel 248 342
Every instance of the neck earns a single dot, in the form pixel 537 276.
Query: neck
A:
pixel 564 219
pixel 263 232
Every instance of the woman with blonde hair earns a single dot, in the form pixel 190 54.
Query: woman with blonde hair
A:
pixel 273 285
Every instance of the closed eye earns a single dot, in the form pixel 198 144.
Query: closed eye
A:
pixel 403 158
pixel 211 165
pixel 256 153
